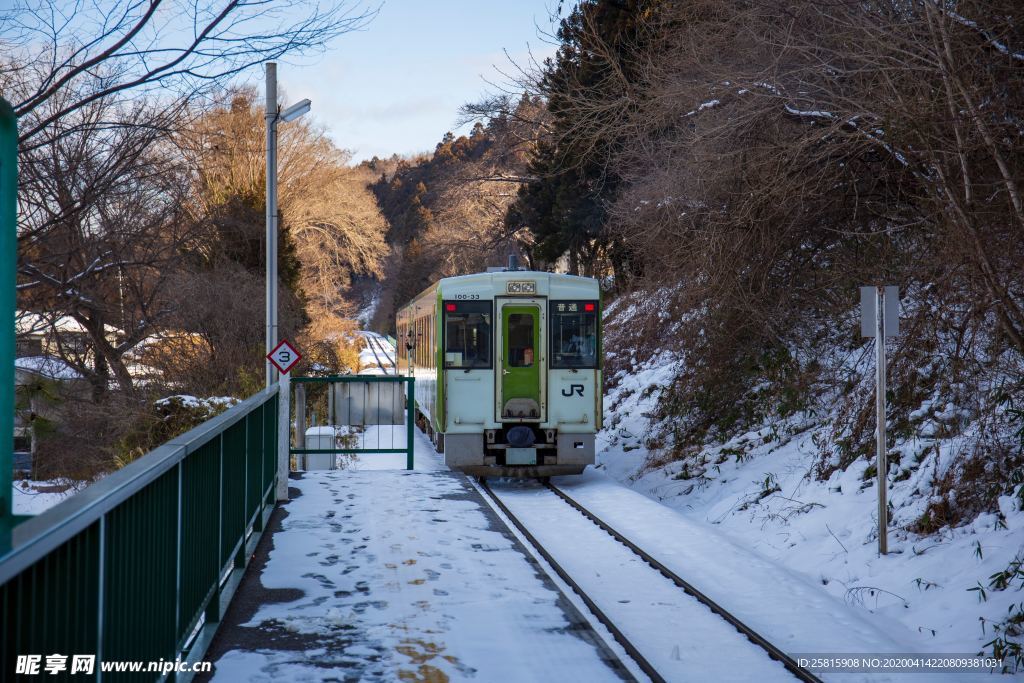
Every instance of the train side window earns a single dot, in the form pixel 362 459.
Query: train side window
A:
pixel 574 334
pixel 467 334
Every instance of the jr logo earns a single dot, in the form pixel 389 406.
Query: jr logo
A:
pixel 573 389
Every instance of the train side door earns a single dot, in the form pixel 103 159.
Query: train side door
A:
pixel 521 361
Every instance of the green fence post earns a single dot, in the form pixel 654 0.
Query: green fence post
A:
pixel 410 419
pixel 8 264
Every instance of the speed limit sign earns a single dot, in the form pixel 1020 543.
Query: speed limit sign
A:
pixel 284 357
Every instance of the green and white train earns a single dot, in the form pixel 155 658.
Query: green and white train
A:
pixel 508 370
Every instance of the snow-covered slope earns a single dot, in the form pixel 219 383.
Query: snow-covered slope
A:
pixel 758 489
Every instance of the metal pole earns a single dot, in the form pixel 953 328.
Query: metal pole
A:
pixel 8 284
pixel 271 114
pixel 300 415
pixel 410 422
pixel 300 425
pixel 880 462
pixel 283 424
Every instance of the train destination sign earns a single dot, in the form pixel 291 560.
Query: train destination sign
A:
pixel 521 287
pixel 284 357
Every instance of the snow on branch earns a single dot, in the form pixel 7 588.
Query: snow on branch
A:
pixel 808 114
pixel 851 124
pixel 992 40
pixel 710 104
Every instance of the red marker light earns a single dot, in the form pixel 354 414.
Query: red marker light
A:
pixel 450 308
pixel 589 308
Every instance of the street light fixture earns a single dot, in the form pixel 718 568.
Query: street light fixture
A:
pixel 298 109
pixel 273 115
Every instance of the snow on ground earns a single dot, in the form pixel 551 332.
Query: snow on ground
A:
pixel 384 346
pixel 403 572
pixel 681 638
pixel 782 601
pixel 372 369
pixel 47 366
pixel 34 497
pixel 377 355
pixel 366 313
pixel 784 606
pixel 406 576
pixel 757 492
pixel 394 436
pixel 378 436
pixel 210 404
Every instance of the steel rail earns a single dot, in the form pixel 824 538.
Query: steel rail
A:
pixel 754 637
pixel 380 345
pixel 370 344
pixel 619 636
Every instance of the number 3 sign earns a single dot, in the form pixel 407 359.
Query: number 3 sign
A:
pixel 284 357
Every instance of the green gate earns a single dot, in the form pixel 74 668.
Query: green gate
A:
pixel 359 415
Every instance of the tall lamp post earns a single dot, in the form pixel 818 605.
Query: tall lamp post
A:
pixel 274 115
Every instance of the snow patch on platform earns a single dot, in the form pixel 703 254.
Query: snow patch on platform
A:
pixel 404 576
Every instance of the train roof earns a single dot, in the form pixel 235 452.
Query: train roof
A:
pixel 497 279
pixel 505 275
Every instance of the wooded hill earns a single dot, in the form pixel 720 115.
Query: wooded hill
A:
pixel 742 168
pixel 733 171
pixel 446 211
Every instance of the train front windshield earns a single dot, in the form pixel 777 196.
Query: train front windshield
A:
pixel 467 334
pixel 574 334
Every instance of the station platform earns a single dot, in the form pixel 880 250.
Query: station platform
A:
pixel 391 575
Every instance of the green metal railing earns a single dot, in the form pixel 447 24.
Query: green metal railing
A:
pixel 364 408
pixel 141 565
pixel 8 266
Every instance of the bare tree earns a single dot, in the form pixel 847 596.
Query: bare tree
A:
pixel 327 207
pixel 98 90
pixel 781 154
pixel 101 231
pixel 77 53
pixel 332 231
pixel 472 194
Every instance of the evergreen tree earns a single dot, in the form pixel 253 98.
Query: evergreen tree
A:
pixel 565 207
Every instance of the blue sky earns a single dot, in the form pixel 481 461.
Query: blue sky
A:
pixel 396 85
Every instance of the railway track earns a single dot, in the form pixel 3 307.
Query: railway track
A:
pixel 374 344
pixel 603 615
pixel 383 350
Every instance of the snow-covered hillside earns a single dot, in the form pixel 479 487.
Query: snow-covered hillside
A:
pixel 759 489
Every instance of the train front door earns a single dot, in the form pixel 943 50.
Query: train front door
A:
pixel 522 357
